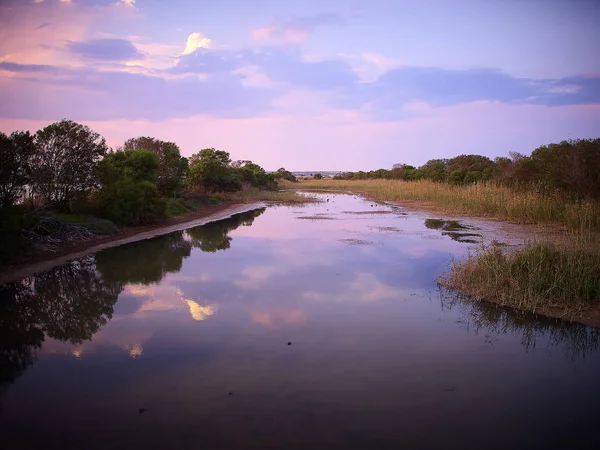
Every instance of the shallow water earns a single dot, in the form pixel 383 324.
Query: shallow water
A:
pixel 316 326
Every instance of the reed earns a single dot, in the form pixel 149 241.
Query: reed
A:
pixel 536 277
pixel 483 199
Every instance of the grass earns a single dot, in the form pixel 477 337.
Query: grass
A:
pixel 286 197
pixel 537 276
pixel 484 199
pixel 179 206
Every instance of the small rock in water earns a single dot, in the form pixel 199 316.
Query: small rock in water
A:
pixel 289 343
pixel 142 410
pixel 231 393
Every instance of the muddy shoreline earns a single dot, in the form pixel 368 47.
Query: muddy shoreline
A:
pixel 46 260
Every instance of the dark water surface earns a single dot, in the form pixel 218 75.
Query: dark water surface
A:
pixel 315 327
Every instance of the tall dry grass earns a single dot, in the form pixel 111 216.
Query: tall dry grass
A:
pixel 483 199
pixel 539 275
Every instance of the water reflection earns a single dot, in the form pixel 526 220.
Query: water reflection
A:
pixel 69 303
pixel 372 359
pixel 214 236
pixel 454 230
pixel 491 321
pixel 144 262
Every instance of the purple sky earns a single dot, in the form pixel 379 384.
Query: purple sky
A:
pixel 308 85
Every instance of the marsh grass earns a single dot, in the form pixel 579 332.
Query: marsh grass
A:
pixel 483 199
pixel 539 275
pixel 285 197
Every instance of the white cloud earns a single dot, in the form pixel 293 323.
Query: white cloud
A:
pixel 196 41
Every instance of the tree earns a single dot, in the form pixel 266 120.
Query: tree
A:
pixel 469 168
pixel 65 161
pixel 254 175
pixel 172 167
pixel 434 170
pixel 129 194
pixel 16 152
pixel 211 170
pixel 285 174
pixel 317 176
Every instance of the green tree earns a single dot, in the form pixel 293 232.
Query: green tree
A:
pixel 434 170
pixel 172 167
pixel 210 169
pixel 285 174
pixel 64 163
pixel 16 152
pixel 129 194
pixel 254 175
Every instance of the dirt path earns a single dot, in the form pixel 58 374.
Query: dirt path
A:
pixel 46 260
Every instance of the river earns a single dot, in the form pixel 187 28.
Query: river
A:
pixel 315 326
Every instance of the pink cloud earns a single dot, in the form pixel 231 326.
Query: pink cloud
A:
pixel 262 34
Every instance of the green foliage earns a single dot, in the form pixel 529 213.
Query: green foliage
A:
pixel 210 169
pixel 178 206
pixel 129 194
pixel 255 176
pixel 65 162
pixel 317 176
pixel 172 167
pixel 16 152
pixel 434 170
pixel 285 175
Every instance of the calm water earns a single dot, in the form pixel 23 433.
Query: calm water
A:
pixel 182 342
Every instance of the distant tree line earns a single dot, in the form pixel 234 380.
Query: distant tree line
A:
pixel 67 167
pixel 571 166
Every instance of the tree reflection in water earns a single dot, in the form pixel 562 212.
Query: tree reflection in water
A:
pixel 69 303
pixel 214 236
pixel 144 262
pixel 72 302
pixel 575 340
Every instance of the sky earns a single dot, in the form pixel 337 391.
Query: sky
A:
pixel 311 84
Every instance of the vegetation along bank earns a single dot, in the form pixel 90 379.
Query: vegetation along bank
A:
pixel 63 186
pixel 558 185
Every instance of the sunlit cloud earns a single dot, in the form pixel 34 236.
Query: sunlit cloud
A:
pixel 134 350
pixel 196 41
pixel 200 312
pixel 129 3
pixel 77 352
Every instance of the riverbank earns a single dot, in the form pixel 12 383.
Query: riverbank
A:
pixel 487 200
pixel 554 280
pixel 554 273
pixel 42 260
